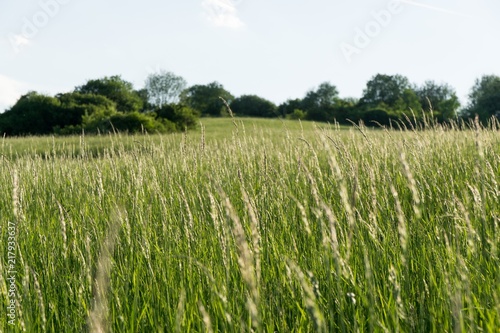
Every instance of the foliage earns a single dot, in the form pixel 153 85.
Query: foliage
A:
pixel 253 106
pixel 146 105
pixel 86 110
pixel 36 114
pixel 131 122
pixel 319 104
pixel 386 99
pixel 408 101
pixel 116 89
pixel 206 99
pixel 392 92
pixel 377 117
pixel 85 104
pixel 164 87
pixel 81 105
pixel 484 99
pixel 289 106
pixel 181 115
pixel 386 89
pixel 324 96
pixel 441 99
pixel 254 230
pixel 89 103
pixel 346 109
pixel 297 114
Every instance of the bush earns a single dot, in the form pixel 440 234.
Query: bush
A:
pixel 297 114
pixel 34 114
pixel 320 113
pixel 377 116
pixel 181 115
pixel 131 122
pixel 253 106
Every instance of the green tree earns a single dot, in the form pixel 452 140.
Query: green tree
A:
pixel 346 109
pixel 319 104
pixel 289 106
pixel 440 98
pixel 108 121
pixel 181 115
pixel 324 96
pixel 384 90
pixel 116 89
pixel 164 87
pixel 146 105
pixel 34 114
pixel 484 99
pixel 408 100
pixel 85 101
pixel 206 99
pixel 253 106
pixel 297 114
pixel 376 117
pixel 76 106
pixel 390 93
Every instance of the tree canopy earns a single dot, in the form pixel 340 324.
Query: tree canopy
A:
pixel 34 114
pixel 206 99
pixel 104 105
pixel 181 115
pixel 484 99
pixel 117 90
pixel 166 105
pixel 253 106
pixel 319 103
pixel 386 91
pixel 289 106
pixel 439 98
pixel 164 87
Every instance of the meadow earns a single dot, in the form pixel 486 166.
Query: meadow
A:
pixel 250 225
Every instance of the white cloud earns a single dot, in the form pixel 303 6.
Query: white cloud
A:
pixel 222 13
pixel 10 91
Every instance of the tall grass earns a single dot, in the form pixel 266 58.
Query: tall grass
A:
pixel 252 227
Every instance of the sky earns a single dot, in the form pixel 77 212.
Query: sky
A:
pixel 276 49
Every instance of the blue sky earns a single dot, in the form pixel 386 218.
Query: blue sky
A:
pixel 276 49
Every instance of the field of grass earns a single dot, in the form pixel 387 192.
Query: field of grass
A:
pixel 256 225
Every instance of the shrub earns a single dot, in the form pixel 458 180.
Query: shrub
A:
pixel 377 116
pixel 131 122
pixel 181 115
pixel 297 114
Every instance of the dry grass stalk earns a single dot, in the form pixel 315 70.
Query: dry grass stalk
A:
pixel 40 300
pixel 413 186
pixel 246 262
pixel 402 229
pixel 98 317
pixel 207 322
pixel 310 299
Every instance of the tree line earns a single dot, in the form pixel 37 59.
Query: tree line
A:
pixel 167 104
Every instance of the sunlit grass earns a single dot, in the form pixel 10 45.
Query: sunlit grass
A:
pixel 254 225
